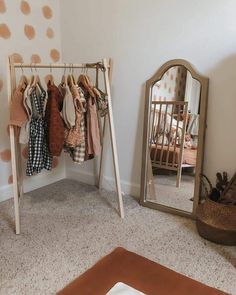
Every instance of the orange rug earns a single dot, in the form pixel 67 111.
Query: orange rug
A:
pixel 138 272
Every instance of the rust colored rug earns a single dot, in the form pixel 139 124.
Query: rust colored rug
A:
pixel 138 272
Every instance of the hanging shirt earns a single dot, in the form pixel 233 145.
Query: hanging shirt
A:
pixel 68 110
pixel 38 154
pixel 93 131
pixel 18 114
pixel 54 121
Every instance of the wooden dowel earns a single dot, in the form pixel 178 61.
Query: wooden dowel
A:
pixel 163 136
pixel 53 66
pixel 176 133
pixel 170 132
pixel 158 129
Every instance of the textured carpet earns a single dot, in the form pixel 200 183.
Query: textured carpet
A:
pixel 169 195
pixel 68 226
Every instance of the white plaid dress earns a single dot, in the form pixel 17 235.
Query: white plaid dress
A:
pixel 38 154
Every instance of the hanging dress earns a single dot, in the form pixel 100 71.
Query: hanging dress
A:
pixel 38 153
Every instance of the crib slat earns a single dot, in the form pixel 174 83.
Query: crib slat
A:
pixel 163 134
pixel 171 122
pixel 158 129
pixel 176 134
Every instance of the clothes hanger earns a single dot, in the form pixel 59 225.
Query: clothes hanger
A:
pixel 50 77
pixel 31 81
pixel 83 79
pixel 36 80
pixel 64 77
pixel 23 83
pixel 70 78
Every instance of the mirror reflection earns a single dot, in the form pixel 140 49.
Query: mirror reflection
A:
pixel 173 139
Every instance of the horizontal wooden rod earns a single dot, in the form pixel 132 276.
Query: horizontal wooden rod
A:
pixel 53 66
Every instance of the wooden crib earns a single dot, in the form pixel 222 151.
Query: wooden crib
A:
pixel 168 122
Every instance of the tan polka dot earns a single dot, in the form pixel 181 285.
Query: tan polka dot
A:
pixel 17 58
pixel 4 31
pixel 29 32
pixel 1 84
pixel 169 90
pixel 25 7
pixel 47 11
pixel 25 152
pixel 50 33
pixel 10 179
pixel 55 162
pixel 55 55
pixel 5 156
pixel 2 6
pixel 171 77
pixel 35 58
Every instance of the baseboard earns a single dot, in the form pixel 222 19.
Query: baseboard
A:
pixel 32 183
pixel 128 188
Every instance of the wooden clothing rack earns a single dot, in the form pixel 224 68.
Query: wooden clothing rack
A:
pixel 106 67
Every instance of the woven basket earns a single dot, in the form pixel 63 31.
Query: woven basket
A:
pixel 216 222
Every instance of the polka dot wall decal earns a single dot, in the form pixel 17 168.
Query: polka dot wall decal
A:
pixel 55 55
pixel 35 58
pixel 47 11
pixel 2 6
pixel 50 33
pixel 1 84
pixel 17 58
pixel 25 7
pixel 10 179
pixel 29 32
pixel 5 156
pixel 55 162
pixel 4 31
pixel 25 152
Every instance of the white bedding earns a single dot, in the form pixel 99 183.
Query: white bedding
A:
pixel 123 289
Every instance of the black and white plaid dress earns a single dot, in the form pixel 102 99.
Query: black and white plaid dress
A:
pixel 38 154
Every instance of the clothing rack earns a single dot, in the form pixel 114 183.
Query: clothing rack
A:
pixel 105 66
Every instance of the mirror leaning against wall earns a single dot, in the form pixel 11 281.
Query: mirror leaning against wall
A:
pixel 173 138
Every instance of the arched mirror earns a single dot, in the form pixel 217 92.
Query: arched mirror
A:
pixel 173 139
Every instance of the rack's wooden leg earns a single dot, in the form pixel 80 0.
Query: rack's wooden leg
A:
pixel 101 167
pixel 113 142
pixel 15 180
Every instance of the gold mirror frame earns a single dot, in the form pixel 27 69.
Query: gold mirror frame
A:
pixel 204 81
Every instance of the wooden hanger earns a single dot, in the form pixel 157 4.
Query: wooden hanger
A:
pixel 23 83
pixel 64 78
pixel 50 78
pixel 84 81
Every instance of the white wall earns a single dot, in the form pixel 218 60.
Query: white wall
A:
pixel 140 35
pixel 17 42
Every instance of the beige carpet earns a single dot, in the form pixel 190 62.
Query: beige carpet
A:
pixel 68 226
pixel 169 195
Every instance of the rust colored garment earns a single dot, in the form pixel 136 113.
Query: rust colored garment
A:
pixel 18 114
pixel 54 121
pixel 138 272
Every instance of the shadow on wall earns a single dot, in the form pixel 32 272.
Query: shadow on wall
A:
pixel 137 154
pixel 220 148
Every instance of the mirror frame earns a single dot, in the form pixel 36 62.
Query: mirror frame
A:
pixel 202 127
